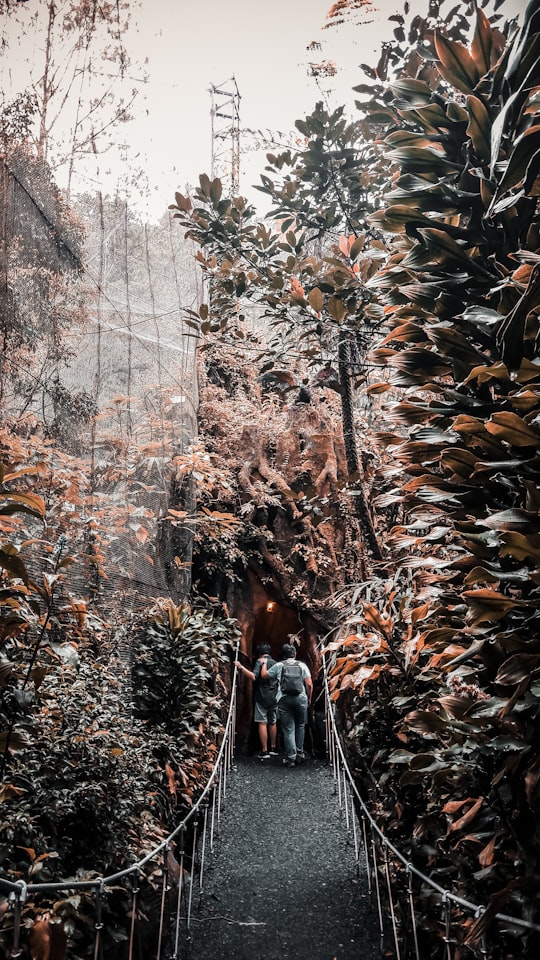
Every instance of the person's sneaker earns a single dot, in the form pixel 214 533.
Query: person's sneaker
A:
pixel 273 752
pixel 300 757
pixel 287 762
pixel 263 755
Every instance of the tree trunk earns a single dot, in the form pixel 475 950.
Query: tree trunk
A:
pixel 361 507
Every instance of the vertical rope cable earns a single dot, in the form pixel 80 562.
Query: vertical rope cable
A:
pixel 378 891
pixel 413 913
pixel 220 781
pixel 99 921
pixel 224 774
pixel 165 875
pixel 483 944
pixel 391 903
pixel 345 800
pixel 182 844
pixel 366 855
pixel 355 835
pixel 447 928
pixel 192 884
pixel 329 739
pixel 134 897
pixel 213 819
pixel 16 899
pixel 203 847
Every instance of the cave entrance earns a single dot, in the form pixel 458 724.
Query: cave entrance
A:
pixel 274 624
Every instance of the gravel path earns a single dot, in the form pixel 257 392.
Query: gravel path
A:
pixel 282 881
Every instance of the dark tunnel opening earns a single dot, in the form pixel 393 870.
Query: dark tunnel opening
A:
pixel 275 624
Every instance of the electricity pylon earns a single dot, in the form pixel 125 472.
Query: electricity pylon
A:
pixel 225 118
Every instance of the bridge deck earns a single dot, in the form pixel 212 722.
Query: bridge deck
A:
pixel 282 881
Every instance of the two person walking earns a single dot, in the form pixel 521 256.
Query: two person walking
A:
pixel 289 683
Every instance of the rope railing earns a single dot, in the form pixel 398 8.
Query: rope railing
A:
pixel 203 820
pixel 402 927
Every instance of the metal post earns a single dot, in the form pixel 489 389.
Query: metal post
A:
pixel 213 819
pixel 176 954
pixel 378 891
pixel 345 799
pixel 224 773
pixel 330 745
pixel 192 884
pixel 165 875
pixel 134 894
pixel 447 931
pixel 99 923
pixel 413 914
pixel 335 758
pixel 355 833
pixel 219 799
pixel 203 847
pixel 17 899
pixel 366 855
pixel 391 903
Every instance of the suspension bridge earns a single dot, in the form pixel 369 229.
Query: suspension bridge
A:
pixel 272 862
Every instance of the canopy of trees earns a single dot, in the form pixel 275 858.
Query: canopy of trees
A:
pixel 374 463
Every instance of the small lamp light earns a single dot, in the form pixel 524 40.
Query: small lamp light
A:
pixel 270 606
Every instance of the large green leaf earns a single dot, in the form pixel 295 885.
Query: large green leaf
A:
pixel 456 65
pixel 513 429
pixel 523 164
pixel 11 503
pixel 488 606
pixel 479 128
pixel 482 43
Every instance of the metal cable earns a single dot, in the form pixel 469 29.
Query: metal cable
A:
pixel 19 891
pixel 459 901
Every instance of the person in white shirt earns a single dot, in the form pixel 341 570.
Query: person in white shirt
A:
pixel 295 689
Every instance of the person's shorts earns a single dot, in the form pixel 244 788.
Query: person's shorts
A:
pixel 263 714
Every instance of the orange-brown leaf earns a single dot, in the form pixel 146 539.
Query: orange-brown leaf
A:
pixel 467 817
pixel 487 855
pixel 171 779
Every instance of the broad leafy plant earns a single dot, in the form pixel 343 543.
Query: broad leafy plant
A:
pixel 447 680
pixel 88 781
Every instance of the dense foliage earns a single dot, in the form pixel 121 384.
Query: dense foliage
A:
pixel 436 676
pixel 89 781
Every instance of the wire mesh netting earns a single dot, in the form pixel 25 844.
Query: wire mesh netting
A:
pixel 98 379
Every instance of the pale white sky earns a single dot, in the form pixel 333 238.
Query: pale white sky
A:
pixel 191 44
pixel 263 45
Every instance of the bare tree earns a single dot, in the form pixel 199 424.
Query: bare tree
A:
pixel 71 73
